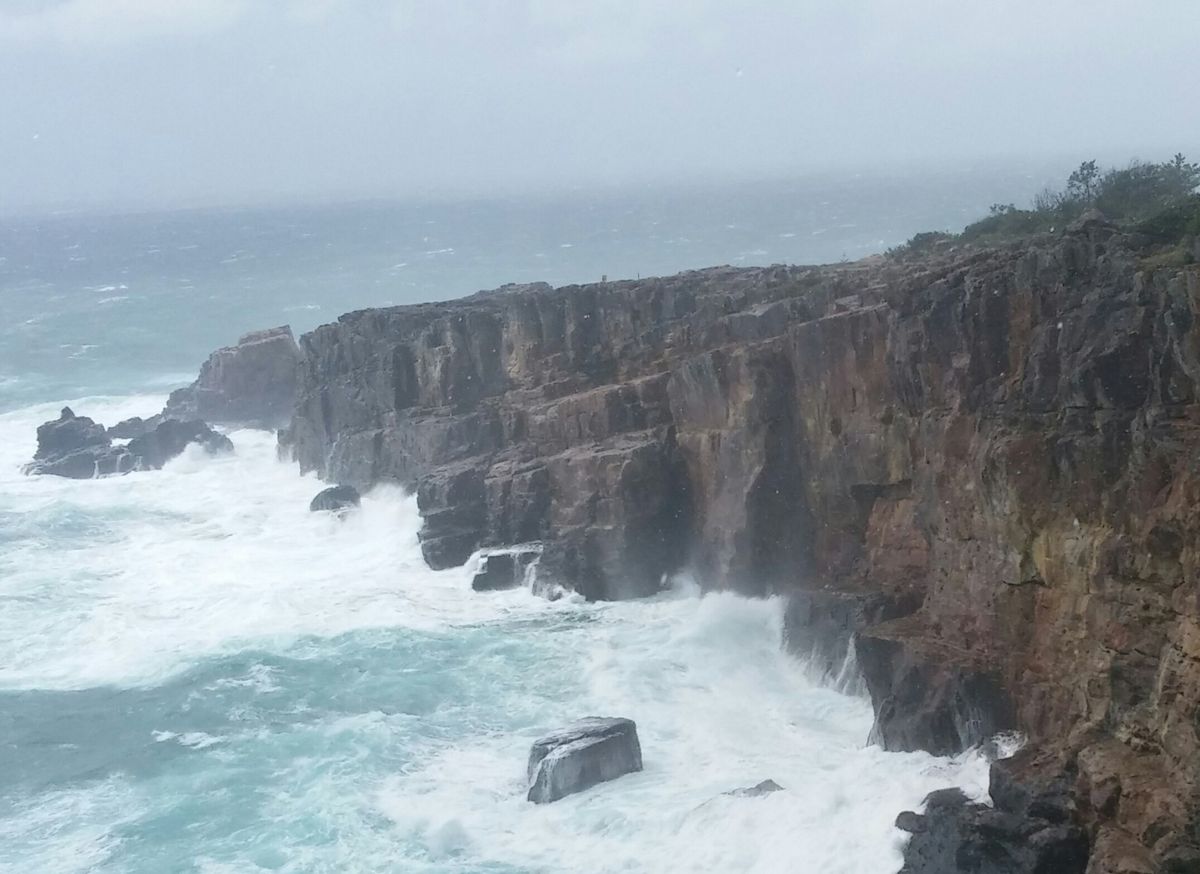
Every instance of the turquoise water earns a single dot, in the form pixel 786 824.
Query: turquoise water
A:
pixel 199 675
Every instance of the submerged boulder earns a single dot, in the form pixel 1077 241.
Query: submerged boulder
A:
pixel 1031 828
pixel 503 570
pixel 336 499
pixel 587 752
pixel 79 448
pixel 766 787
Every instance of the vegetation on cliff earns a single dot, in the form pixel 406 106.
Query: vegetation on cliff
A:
pixel 1159 200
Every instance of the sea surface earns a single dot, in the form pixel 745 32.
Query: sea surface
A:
pixel 199 675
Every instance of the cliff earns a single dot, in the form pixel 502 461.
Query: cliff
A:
pixel 981 466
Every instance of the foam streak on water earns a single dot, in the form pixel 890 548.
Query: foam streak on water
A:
pixel 197 674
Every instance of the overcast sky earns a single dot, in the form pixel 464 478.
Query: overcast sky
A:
pixel 169 102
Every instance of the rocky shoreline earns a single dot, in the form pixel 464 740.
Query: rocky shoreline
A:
pixel 973 472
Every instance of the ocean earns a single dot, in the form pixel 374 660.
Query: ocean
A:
pixel 199 675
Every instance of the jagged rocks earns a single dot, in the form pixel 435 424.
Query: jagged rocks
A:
pixel 79 448
pixel 503 570
pixel 1029 830
pixel 820 626
pixel 589 751
pixel 251 384
pixel 156 447
pixel 335 499
pixel 72 446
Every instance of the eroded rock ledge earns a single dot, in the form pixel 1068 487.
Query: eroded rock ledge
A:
pixel 985 461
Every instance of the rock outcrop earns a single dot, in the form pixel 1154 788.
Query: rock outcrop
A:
pixel 79 448
pixel 170 438
pixel 504 570
pixel 982 462
pixel 335 499
pixel 251 384
pixel 587 752
pixel 1033 826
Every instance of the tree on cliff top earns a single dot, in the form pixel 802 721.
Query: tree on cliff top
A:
pixel 1134 193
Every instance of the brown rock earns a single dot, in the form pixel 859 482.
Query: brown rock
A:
pixel 991 453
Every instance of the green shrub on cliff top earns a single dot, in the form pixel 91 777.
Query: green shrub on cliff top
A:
pixel 1005 220
pixel 1160 199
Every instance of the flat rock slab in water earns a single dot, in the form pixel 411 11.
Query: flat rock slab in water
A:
pixel 587 752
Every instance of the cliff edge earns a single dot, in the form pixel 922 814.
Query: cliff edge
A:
pixel 982 466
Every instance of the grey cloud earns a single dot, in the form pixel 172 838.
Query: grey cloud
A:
pixel 155 103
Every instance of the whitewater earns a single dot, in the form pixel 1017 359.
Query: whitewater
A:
pixel 197 674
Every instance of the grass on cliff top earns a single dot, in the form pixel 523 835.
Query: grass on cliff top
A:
pixel 1158 201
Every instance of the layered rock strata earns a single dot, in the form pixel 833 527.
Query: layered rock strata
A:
pixel 980 466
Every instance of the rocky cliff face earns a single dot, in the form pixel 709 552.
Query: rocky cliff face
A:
pixel 981 467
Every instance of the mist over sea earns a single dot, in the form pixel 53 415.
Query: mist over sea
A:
pixel 197 674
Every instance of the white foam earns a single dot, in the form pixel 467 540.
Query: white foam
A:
pixel 69 831
pixel 207 556
pixel 719 706
pixel 130 580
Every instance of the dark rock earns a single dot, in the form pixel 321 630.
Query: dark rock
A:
pixel 1028 831
pixel 926 698
pixel 956 836
pixel 76 447
pixel 766 787
pixel 503 570
pixel 577 757
pixel 67 434
pixel 452 503
pixel 336 499
pixel 155 448
pixel 88 463
pixel 250 384
pixel 134 427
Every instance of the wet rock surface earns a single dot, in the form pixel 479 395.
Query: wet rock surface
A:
pixel 1029 830
pixel 335 499
pixel 984 458
pixel 78 448
pixel 589 751
pixel 503 570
